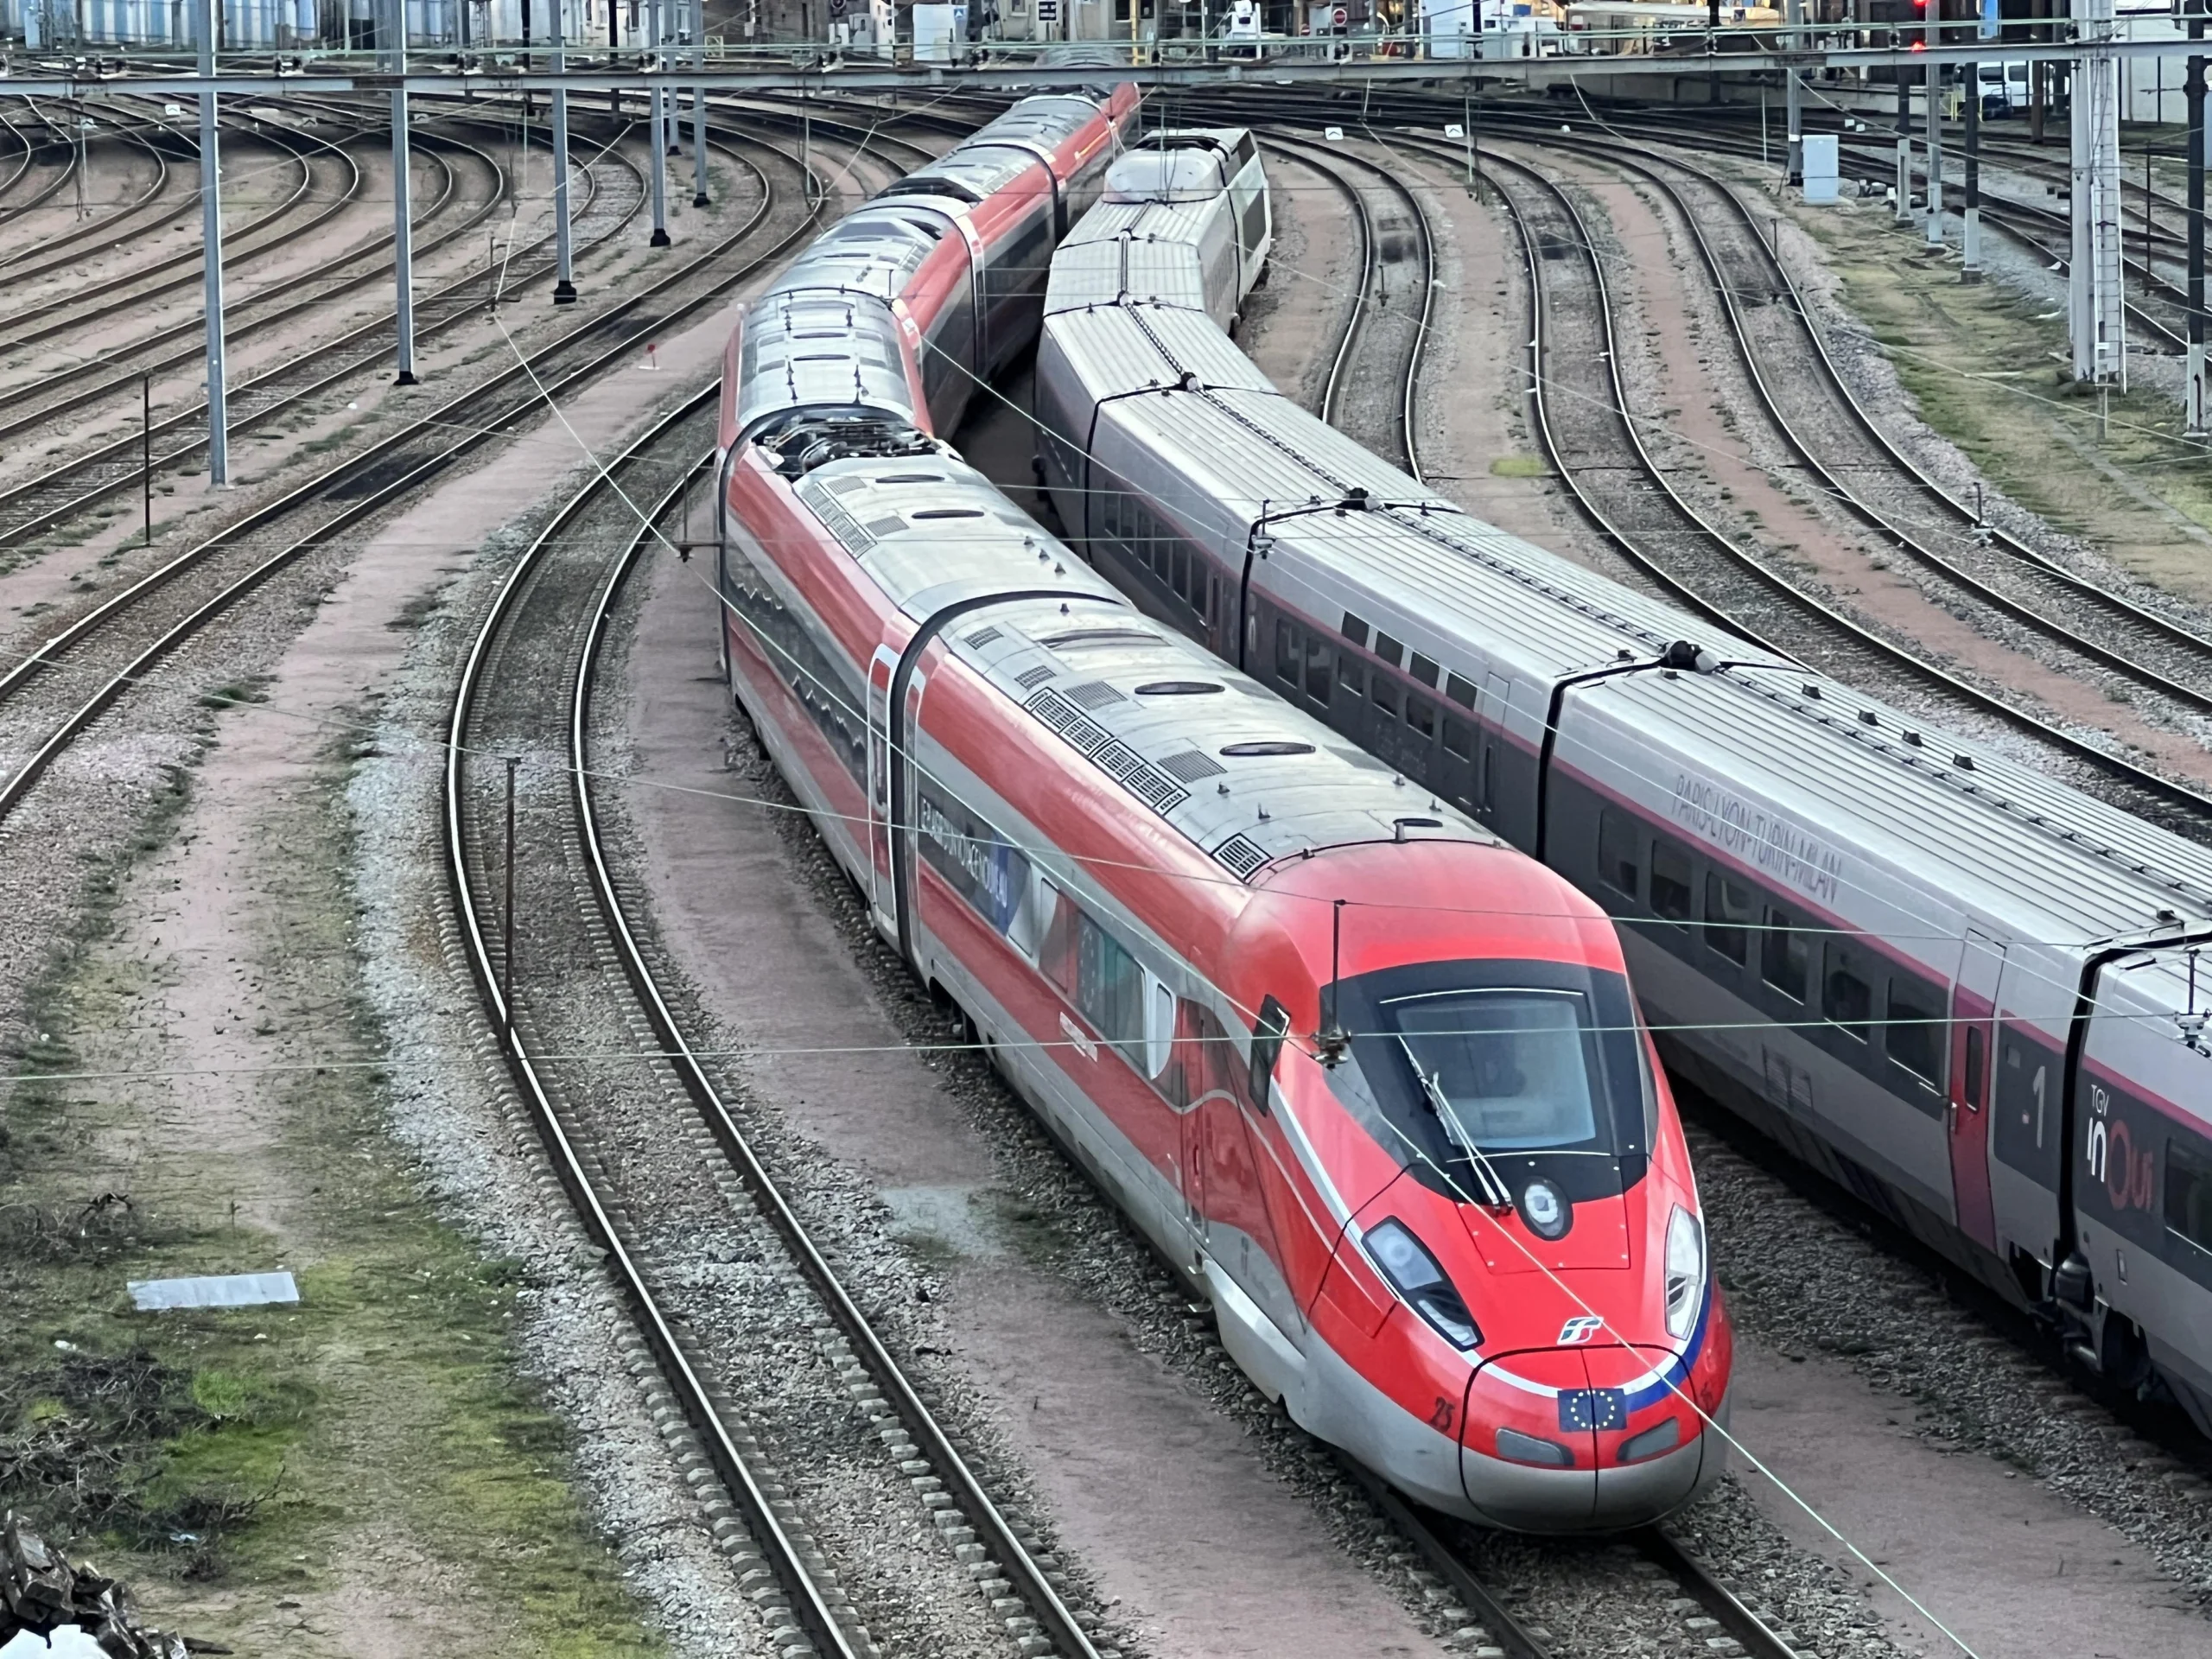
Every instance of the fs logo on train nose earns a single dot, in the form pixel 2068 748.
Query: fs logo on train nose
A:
pixel 1579 1329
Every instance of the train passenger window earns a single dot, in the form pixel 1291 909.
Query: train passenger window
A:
pixel 1460 691
pixel 1388 650
pixel 1671 879
pixel 1351 678
pixel 1317 668
pixel 1056 956
pixel 1785 955
pixel 1382 691
pixel 1730 914
pixel 1618 864
pixel 1286 654
pixel 1421 714
pixel 1109 988
pixel 2188 1193
pixel 1355 630
pixel 1458 738
pixel 1977 1068
pixel 1847 990
pixel 1914 1035
pixel 1423 669
pixel 1179 574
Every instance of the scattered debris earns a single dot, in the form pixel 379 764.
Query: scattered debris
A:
pixel 42 1592
pixel 226 1290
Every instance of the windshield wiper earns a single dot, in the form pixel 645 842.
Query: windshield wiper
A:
pixel 1494 1189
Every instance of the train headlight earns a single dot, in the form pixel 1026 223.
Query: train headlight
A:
pixel 1685 1272
pixel 1405 1262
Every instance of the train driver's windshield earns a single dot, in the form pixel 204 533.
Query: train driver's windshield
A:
pixel 1506 1071
pixel 1486 1073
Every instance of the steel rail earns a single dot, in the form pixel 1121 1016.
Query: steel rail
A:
pixel 77 389
pixel 65 248
pixel 1053 1615
pixel 1949 505
pixel 449 438
pixel 1331 410
pixel 2190 695
pixel 106 299
pixel 119 458
pixel 1357 327
pixel 52 187
pixel 2164 789
pixel 812 1608
pixel 1759 1639
pixel 1506 1628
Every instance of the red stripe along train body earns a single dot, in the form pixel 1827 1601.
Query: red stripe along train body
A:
pixel 1368 1078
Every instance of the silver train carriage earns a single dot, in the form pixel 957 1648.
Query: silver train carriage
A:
pixel 1969 994
pixel 1183 220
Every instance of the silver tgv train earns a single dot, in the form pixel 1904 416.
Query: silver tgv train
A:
pixel 1967 993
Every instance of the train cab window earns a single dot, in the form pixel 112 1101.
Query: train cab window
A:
pixel 1785 956
pixel 1671 891
pixel 1847 990
pixel 1459 690
pixel 1915 1028
pixel 1317 668
pixel 1286 654
pixel 1730 914
pixel 1420 716
pixel 1618 864
pixel 2188 1193
pixel 1355 630
pixel 1388 650
pixel 1458 738
pixel 1424 671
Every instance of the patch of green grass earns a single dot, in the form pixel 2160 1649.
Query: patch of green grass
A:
pixel 1519 467
pixel 221 1459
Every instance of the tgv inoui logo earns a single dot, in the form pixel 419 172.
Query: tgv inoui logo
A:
pixel 1579 1329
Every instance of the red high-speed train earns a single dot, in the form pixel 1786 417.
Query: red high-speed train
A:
pixel 1371 1080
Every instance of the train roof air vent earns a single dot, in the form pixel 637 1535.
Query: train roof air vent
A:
pixel 1177 689
pixel 1267 747
pixel 1093 694
pixel 1030 678
pixel 1190 766
pixel 981 637
pixel 1242 855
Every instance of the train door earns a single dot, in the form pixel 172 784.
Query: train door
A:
pixel 1973 1019
pixel 881 899
pixel 1489 744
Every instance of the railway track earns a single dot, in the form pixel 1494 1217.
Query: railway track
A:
pixel 1821 421
pixel 93 661
pixel 1586 423
pixel 110 373
pixel 327 182
pixel 37 150
pixel 1643 1599
pixel 526 689
pixel 79 483
pixel 139 217
pixel 1374 381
